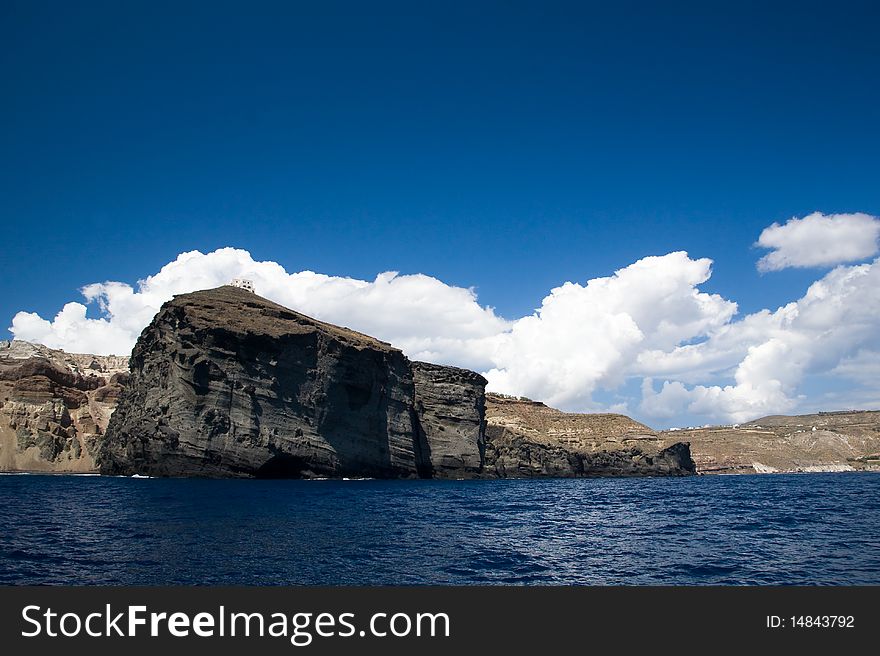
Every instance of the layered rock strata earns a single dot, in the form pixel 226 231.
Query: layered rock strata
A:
pixel 55 406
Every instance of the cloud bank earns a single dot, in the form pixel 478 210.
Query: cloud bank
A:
pixel 819 240
pixel 421 315
pixel 644 340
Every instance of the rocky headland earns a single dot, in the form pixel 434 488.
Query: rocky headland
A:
pixel 225 383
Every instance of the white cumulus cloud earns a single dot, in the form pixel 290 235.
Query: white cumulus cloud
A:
pixel 819 240
pixel 422 315
pixel 646 337
pixel 586 336
pixel 833 330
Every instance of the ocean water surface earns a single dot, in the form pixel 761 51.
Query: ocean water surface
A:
pixel 770 529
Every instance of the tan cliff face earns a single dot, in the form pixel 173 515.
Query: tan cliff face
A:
pixel 579 431
pixel 827 441
pixel 55 406
pixel 526 439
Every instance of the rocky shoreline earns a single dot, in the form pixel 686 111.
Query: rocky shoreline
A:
pixel 224 383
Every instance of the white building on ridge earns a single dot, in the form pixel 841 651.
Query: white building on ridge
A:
pixel 244 283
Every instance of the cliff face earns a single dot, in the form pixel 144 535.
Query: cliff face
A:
pixel 225 383
pixel 450 407
pixel 54 407
pixel 828 441
pixel 527 439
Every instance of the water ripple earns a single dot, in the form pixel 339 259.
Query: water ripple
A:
pixel 781 529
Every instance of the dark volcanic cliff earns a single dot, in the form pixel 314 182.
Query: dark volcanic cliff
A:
pixel 448 402
pixel 226 383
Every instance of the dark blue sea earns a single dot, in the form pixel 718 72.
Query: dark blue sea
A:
pixel 770 529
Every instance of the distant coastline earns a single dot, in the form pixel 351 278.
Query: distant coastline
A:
pixel 56 410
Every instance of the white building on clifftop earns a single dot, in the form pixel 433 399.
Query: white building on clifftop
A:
pixel 244 283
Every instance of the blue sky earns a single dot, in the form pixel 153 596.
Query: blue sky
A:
pixel 509 147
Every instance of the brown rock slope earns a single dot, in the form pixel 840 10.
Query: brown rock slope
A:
pixel 527 439
pixel 54 407
pixel 828 441
pixel 226 383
